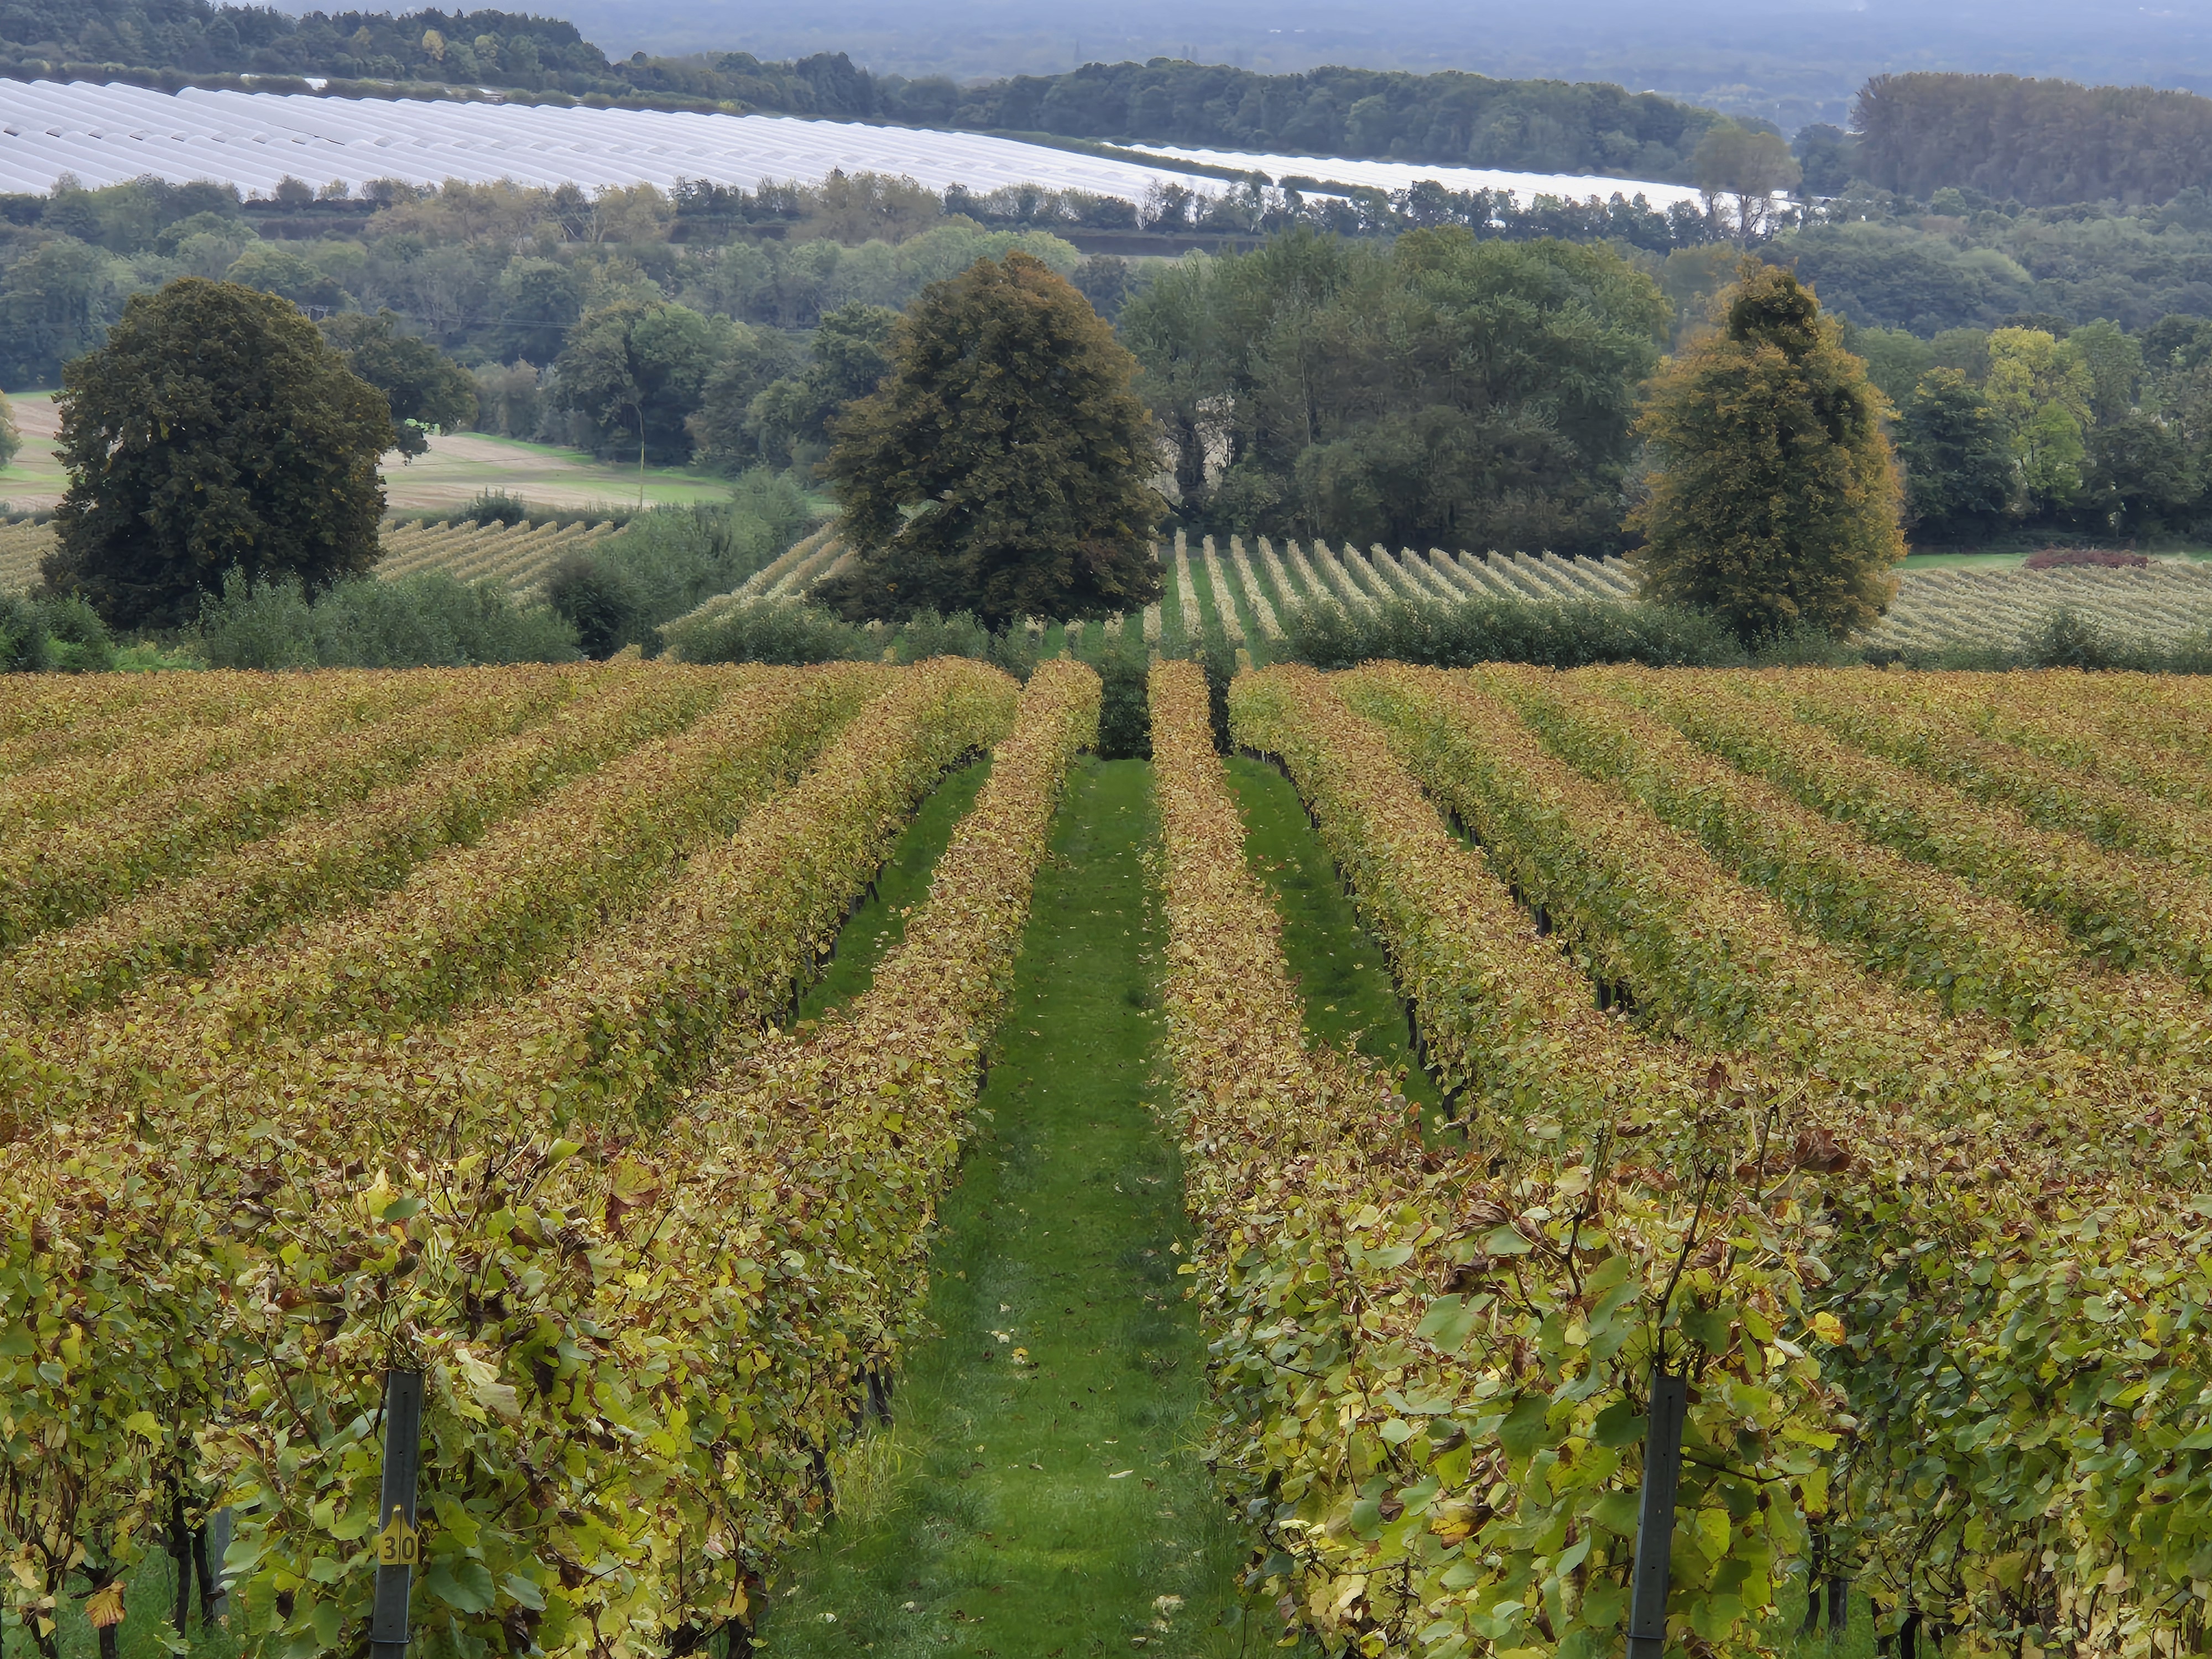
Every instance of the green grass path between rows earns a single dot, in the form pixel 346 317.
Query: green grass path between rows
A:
pixel 1042 1492
pixel 1344 979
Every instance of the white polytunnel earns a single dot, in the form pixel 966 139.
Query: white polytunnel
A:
pixel 103 135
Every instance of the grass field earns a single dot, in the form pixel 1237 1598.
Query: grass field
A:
pixel 34 479
pixel 459 466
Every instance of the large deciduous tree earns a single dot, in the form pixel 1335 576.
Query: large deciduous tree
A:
pixel 1775 500
pixel 1958 467
pixel 215 430
pixel 1441 391
pixel 1746 169
pixel 1002 466
pixel 636 369
pixel 428 391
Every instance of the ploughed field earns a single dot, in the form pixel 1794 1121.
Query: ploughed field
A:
pixel 1835 1036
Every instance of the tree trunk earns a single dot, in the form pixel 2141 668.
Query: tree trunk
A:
pixel 180 1552
pixel 1813 1583
pixel 208 1597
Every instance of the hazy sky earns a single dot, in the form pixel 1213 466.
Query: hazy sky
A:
pixel 1794 59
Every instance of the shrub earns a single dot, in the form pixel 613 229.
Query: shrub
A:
pixel 786 631
pixel 2068 638
pixel 926 635
pixel 81 640
pixel 1552 633
pixel 598 599
pixel 2065 638
pixel 25 645
pixel 492 507
pixel 2092 558
pixel 266 625
pixel 1806 645
pixel 1125 715
pixel 432 620
pixel 668 560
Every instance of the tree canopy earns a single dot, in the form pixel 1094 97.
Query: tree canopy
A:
pixel 2040 140
pixel 636 370
pixel 1775 500
pixel 1958 467
pixel 1442 392
pixel 1449 117
pixel 1002 466
pixel 426 390
pixel 215 430
pixel 1746 170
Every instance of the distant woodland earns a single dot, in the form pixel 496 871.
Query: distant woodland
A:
pixel 2041 142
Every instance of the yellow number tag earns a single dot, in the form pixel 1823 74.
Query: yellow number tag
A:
pixel 398 1545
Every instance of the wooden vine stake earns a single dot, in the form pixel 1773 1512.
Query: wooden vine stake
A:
pixel 1655 1520
pixel 399 1542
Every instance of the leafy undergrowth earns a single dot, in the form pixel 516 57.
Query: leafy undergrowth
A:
pixel 1344 978
pixel 145 1631
pixel 1042 1493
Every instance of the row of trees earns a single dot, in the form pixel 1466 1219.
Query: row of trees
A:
pixel 489 274
pixel 1005 461
pixel 474 48
pixel 2036 424
pixel 778 254
pixel 1442 391
pixel 495 274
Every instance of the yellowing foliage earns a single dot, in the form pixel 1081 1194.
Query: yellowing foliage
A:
pixel 211 1244
pixel 1432 1357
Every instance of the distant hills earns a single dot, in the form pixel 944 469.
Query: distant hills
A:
pixel 1791 61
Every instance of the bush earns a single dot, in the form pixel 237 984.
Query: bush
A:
pixel 1125 714
pixel 1562 634
pixel 926 635
pixel 793 631
pixel 1806 645
pixel 266 625
pixel 598 599
pixel 2065 638
pixel 668 560
pixel 432 620
pixel 492 507
pixel 81 641
pixel 26 648
pixel 786 631
pixel 2068 638
pixel 497 506
pixel 2085 558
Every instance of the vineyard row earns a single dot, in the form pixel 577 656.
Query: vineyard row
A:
pixel 1938 1284
pixel 629 1396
